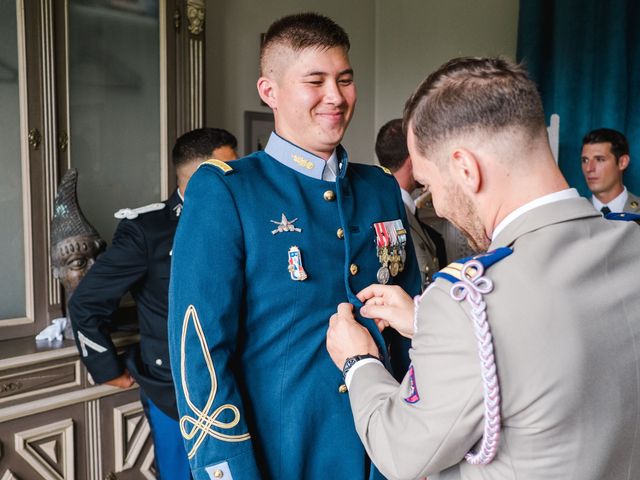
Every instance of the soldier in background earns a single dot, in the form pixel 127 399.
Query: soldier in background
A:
pixel 604 158
pixel 138 261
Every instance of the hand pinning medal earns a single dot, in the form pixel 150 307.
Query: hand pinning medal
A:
pixel 285 225
pixel 391 240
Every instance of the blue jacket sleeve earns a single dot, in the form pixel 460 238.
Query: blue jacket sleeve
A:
pixel 205 315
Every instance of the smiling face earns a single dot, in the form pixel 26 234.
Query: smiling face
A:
pixel 602 171
pixel 312 95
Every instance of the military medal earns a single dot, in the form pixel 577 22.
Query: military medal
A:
pixel 391 240
pixel 382 245
pixel 295 265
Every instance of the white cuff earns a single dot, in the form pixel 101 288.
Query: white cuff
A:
pixel 357 365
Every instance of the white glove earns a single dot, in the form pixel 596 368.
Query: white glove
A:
pixel 54 331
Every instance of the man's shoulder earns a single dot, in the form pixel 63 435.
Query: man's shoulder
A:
pixel 243 169
pixel 375 173
pixel 633 203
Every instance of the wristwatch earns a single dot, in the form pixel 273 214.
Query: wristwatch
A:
pixel 351 361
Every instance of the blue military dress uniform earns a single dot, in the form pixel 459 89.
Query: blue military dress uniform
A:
pixel 264 252
pixel 138 261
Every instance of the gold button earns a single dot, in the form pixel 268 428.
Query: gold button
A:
pixel 342 388
pixel 218 473
pixel 340 233
pixel 329 195
pixel 353 269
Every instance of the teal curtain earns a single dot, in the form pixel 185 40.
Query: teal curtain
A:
pixel 585 57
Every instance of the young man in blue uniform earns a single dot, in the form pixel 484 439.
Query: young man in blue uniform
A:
pixel 138 261
pixel 265 248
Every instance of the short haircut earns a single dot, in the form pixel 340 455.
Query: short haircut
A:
pixel 619 144
pixel 301 31
pixel 391 145
pixel 472 94
pixel 200 143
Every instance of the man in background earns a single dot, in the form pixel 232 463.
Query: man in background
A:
pixel 138 261
pixel 605 157
pixel 391 149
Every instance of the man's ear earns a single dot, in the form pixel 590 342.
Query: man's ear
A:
pixel 465 167
pixel 267 91
pixel 623 162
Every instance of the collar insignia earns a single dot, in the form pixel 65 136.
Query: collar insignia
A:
pixel 303 162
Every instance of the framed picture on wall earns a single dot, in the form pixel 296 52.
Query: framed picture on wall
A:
pixel 257 128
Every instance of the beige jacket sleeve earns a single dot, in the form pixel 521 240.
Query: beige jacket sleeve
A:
pixel 408 441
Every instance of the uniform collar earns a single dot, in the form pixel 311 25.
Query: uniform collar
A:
pixel 538 202
pixel 615 205
pixel 174 202
pixel 542 215
pixel 302 161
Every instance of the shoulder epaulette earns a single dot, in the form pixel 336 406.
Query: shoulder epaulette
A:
pixel 223 166
pixel 131 213
pixel 623 216
pixel 453 271
pixel 384 169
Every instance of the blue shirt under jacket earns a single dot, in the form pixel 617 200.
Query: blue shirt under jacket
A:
pixel 257 392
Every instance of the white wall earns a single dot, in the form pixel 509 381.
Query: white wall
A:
pixel 415 37
pixel 394 44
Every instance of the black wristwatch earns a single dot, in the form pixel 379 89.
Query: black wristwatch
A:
pixel 351 361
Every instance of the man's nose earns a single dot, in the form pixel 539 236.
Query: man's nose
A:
pixel 333 93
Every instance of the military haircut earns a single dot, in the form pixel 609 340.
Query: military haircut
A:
pixel 198 144
pixel 391 145
pixel 472 94
pixel 301 31
pixel 619 143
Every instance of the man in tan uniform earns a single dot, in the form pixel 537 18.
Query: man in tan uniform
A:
pixel 553 311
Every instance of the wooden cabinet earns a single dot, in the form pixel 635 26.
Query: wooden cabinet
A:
pixel 55 424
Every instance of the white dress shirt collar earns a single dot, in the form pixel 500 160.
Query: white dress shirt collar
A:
pixel 615 205
pixel 408 200
pixel 538 202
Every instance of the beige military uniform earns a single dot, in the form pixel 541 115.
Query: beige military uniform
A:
pixel 565 317
pixel 633 203
pixel 424 247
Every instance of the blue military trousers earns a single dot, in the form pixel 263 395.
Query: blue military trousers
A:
pixel 171 457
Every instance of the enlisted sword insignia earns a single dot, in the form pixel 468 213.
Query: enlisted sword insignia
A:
pixel 285 225
pixel 178 209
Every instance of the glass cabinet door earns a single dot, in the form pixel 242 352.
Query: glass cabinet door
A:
pixel 113 52
pixel 13 301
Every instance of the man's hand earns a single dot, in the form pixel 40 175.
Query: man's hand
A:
pixel 347 338
pixel 389 306
pixel 124 380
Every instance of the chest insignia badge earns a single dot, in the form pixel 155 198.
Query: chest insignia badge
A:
pixel 285 225
pixel 295 265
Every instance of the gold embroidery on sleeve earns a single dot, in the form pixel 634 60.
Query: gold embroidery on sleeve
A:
pixel 204 419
